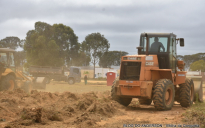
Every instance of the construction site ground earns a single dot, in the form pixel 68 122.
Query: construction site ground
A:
pixel 79 106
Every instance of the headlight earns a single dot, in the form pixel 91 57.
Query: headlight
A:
pixel 132 58
pixel 149 63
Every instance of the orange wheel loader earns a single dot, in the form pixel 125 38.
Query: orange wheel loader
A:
pixel 156 75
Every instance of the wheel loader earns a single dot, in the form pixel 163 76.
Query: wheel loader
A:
pixel 155 75
pixel 10 77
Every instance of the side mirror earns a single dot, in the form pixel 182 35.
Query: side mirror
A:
pixel 181 42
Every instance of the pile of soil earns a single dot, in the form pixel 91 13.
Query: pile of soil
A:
pixel 45 109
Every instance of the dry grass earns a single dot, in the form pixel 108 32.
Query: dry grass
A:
pixel 60 86
pixel 195 114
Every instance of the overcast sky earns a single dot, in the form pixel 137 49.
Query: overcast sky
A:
pixel 120 21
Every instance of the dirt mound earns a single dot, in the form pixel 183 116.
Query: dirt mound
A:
pixel 42 109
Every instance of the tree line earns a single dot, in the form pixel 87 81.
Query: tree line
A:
pixel 57 45
pixel 194 62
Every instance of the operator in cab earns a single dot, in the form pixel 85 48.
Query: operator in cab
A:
pixel 156 45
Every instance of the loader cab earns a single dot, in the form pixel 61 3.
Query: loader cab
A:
pixel 7 58
pixel 161 44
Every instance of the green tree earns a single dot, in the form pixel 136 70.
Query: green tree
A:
pixel 20 58
pixel 198 65
pixel 67 42
pixel 95 45
pixel 81 59
pixel 42 53
pixel 189 59
pixel 180 57
pixel 11 42
pixel 51 45
pixel 111 58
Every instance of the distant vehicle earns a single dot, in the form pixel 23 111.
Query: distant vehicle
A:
pixel 71 75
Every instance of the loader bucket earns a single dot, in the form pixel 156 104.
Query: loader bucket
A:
pixel 24 85
pixel 27 86
pixel 39 83
pixel 198 89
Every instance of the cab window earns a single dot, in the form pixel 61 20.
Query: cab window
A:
pixel 3 58
pixel 76 70
pixel 11 59
pixel 156 44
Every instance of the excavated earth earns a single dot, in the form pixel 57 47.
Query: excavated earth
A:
pixel 41 109
pixel 45 109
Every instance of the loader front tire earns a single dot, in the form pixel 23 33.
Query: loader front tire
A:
pixel 122 100
pixel 164 94
pixel 7 83
pixel 143 101
pixel 187 93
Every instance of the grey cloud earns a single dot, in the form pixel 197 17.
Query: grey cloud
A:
pixel 121 23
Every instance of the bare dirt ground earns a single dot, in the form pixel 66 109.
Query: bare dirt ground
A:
pixel 78 106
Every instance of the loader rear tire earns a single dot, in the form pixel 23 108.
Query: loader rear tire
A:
pixel 143 101
pixel 7 83
pixel 187 93
pixel 164 94
pixel 122 100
